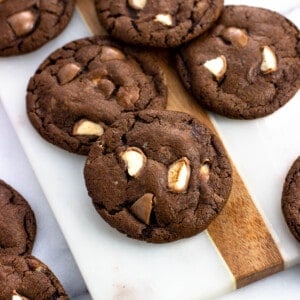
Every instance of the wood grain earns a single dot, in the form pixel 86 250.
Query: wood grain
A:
pixel 243 239
pixel 88 12
pixel 239 233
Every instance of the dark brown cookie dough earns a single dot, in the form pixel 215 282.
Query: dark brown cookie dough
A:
pixel 17 223
pixel 28 24
pixel 158 23
pixel 27 278
pixel 84 87
pixel 291 199
pixel 247 66
pixel 158 176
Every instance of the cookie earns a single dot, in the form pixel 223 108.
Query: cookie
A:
pixel 247 66
pixel 158 176
pixel 28 24
pixel 157 23
pixel 24 278
pixel 291 199
pixel 17 223
pixel 85 86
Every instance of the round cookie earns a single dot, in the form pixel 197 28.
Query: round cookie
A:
pixel 28 24
pixel 24 278
pixel 157 23
pixel 291 199
pixel 158 176
pixel 247 66
pixel 17 223
pixel 85 86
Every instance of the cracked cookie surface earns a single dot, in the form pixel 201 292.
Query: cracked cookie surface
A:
pixel 247 66
pixel 25 278
pixel 28 24
pixel 17 223
pixel 291 199
pixel 157 23
pixel 85 86
pixel 158 176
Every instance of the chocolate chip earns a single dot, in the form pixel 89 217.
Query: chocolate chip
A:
pixel 110 53
pixel 142 208
pixel 236 36
pixel 68 73
pixel 22 23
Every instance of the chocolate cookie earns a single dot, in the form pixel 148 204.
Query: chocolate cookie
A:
pixel 246 66
pixel 17 223
pixel 28 24
pixel 157 23
pixel 84 87
pixel 158 176
pixel 291 199
pixel 24 278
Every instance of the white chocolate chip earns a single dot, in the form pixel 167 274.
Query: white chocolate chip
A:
pixel 217 66
pixel 179 175
pixel 86 127
pixel 110 53
pixel 40 269
pixel 68 72
pixel 135 160
pixel 22 22
pixel 236 36
pixel 16 296
pixel 269 62
pixel 204 172
pixel 164 19
pixel 137 4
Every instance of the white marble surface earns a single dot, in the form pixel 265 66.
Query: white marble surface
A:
pixel 50 245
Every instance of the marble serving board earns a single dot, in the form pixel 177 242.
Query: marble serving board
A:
pixel 247 242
